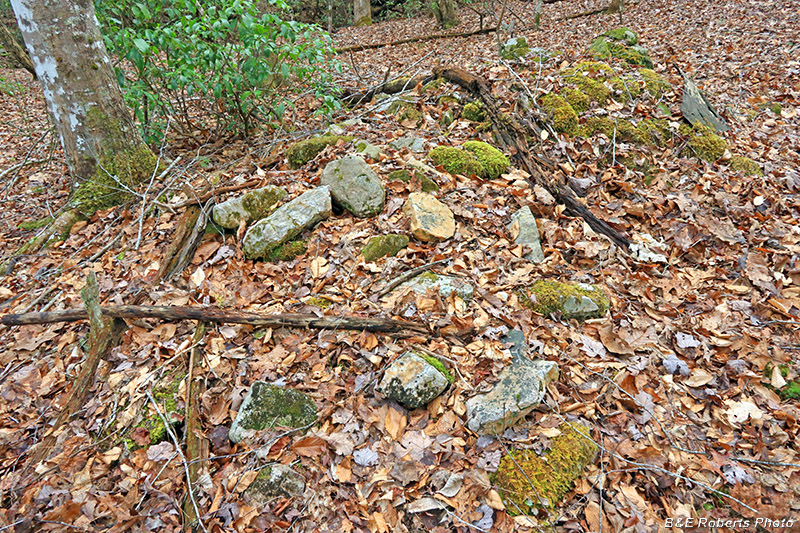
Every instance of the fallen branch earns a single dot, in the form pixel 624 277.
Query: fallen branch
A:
pixel 184 242
pixel 406 276
pixel 395 86
pixel 196 443
pixel 419 39
pixel 222 316
pixel 513 136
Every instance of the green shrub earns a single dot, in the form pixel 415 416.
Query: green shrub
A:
pixel 222 59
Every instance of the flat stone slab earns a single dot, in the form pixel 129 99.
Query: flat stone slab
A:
pixel 268 406
pixel 412 381
pixel 524 231
pixel 696 108
pixel 276 480
pixel 369 150
pixel 431 220
pixel 415 144
pixel 354 186
pixel 442 283
pixel 287 222
pixel 250 206
pixel 520 387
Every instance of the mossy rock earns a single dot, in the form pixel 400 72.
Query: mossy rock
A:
pixel 302 152
pixel 775 107
pixel 579 101
pixel 268 406
pixel 493 161
pixel 570 300
pixel 740 163
pixel 562 115
pixel 621 130
pixel 425 183
pixel 287 251
pixel 455 160
pixel 623 34
pixel 514 49
pixel 383 245
pixel 438 365
pixel 607 47
pixel 706 144
pixel 405 112
pixel 527 482
pixel 654 83
pixel 432 86
pixel 625 88
pixel 588 76
pixel 474 112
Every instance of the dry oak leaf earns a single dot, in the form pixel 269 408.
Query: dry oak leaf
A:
pixel 739 412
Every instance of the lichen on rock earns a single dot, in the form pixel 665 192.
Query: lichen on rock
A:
pixel 383 245
pixel 425 183
pixel 252 205
pixel 570 300
pixel 412 381
pixel 527 482
pixel 302 152
pixel 268 406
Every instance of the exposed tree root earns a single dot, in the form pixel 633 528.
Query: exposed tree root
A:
pixel 57 229
pixel 513 136
pixel 392 87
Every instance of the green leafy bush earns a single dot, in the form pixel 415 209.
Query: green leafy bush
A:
pixel 217 63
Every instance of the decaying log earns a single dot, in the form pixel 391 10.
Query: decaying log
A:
pixel 513 136
pixel 419 39
pixel 187 237
pixel 392 87
pixel 209 314
pixel 104 333
pixel 196 443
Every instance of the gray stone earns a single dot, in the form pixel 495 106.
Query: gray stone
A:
pixel 520 387
pixel 369 150
pixel 273 481
pixel 514 48
pixel 412 381
pixel 354 186
pixel 250 206
pixel 696 108
pixel 267 406
pixel 524 231
pixel 415 144
pixel 446 285
pixel 287 222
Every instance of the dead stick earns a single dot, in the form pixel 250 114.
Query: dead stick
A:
pixel 196 443
pixel 208 314
pixel 408 275
pixel 422 38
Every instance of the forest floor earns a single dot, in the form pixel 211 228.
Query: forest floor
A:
pixel 685 384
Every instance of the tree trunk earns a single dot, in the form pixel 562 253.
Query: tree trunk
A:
pixel 362 13
pixel 11 43
pixel 537 14
pixel 104 151
pixel 445 13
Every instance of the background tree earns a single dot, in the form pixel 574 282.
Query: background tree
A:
pixel 104 151
pixel 11 39
pixel 446 12
pixel 362 13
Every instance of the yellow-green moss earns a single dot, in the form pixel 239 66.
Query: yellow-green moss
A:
pixel 166 397
pixel 577 99
pixel 626 35
pixel 287 251
pixel 527 482
pixel 547 297
pixel 654 131
pixel 563 117
pixel 438 365
pixel 319 301
pixel 302 152
pixel 456 160
pixel 259 203
pixel 588 76
pixel 493 161
pixel 706 144
pixel 654 83
pixel 35 224
pixel 474 112
pixel 625 88
pixel 607 47
pixel 740 163
pixel 426 184
pixel 405 111
pixel 648 131
pixel 434 85
pixel 383 245
pixel 775 107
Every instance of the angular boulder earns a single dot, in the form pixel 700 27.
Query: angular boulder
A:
pixel 267 406
pixel 384 245
pixel 520 387
pixel 276 480
pixel 413 381
pixel 369 150
pixel 354 186
pixel 250 206
pixel 431 220
pixel 287 222
pixel 524 231
pixel 443 284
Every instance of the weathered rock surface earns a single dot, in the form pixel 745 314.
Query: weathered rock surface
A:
pixel 415 144
pixel 369 150
pixel 696 108
pixel 444 284
pixel 250 206
pixel 570 300
pixel 431 220
pixel 354 186
pixel 520 387
pixel 524 231
pixel 267 406
pixel 412 381
pixel 276 480
pixel 514 48
pixel 287 222
pixel 383 245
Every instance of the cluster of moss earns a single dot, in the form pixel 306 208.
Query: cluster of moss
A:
pixel 438 365
pixel 623 34
pixel 426 184
pixel 621 44
pixel 790 391
pixel 474 112
pixel 515 48
pixel 547 297
pixel 579 101
pixel 260 202
pixel 475 157
pixel 740 163
pixel 287 251
pixel 35 224
pixel 775 107
pixel 432 86
pixel 302 152
pixel 562 115
pixel 654 84
pixel 166 396
pixel 405 111
pixel 625 87
pixel 705 144
pixel 648 131
pixel 319 301
pixel 588 76
pixel 383 245
pixel 527 482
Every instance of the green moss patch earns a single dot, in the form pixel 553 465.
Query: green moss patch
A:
pixel 571 300
pixel 474 112
pixel 302 152
pixel 405 112
pixel 740 163
pixel 654 84
pixel 706 144
pixel 562 115
pixel 287 251
pixel 426 184
pixel 493 161
pixel 383 245
pixel 319 301
pixel 648 131
pixel 577 99
pixel 623 34
pixel 608 45
pixel 456 160
pixel 166 396
pixel 527 482
pixel 790 391
pixel 438 365
pixel 29 225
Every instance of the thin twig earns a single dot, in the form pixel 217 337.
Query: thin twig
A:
pixel 408 275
